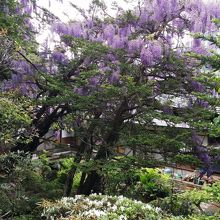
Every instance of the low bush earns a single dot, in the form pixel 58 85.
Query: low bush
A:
pixel 22 185
pixel 100 207
pixel 125 177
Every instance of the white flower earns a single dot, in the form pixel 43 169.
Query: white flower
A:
pixel 122 217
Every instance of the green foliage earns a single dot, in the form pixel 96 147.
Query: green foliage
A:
pixel 203 217
pixel 14 120
pixel 154 183
pixel 187 159
pixel 126 176
pixel 190 202
pixel 65 165
pixel 214 192
pixel 175 206
pixel 22 185
pixel 120 176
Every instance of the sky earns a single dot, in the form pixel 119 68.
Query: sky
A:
pixel 59 7
pixel 63 10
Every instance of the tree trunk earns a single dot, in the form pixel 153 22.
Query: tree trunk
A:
pixel 72 171
pixel 42 124
pixel 93 182
pixel 70 176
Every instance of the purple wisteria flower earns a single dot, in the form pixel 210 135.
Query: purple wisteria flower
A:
pixel 118 42
pixel 115 76
pixel 60 28
pixel 196 43
pixel 94 81
pixel 215 93
pixel 28 9
pixel 82 91
pixel 22 67
pixel 198 87
pixel 59 57
pixel 135 45
pixel 168 110
pixel 89 23
pixel 109 31
pixel 125 31
pixel 146 56
pixel 155 49
pixel 75 30
pixel 202 103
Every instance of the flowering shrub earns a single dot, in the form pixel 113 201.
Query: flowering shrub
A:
pixel 100 207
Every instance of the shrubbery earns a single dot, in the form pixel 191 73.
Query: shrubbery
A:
pixel 191 202
pixel 22 185
pixel 125 177
pixel 100 207
pixel 103 207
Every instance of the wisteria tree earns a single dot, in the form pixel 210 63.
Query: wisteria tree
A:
pixel 209 77
pixel 112 78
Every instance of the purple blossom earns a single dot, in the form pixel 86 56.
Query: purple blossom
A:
pixel 109 31
pixel 111 57
pixel 202 103
pixel 105 69
pixel 75 30
pixel 89 23
pixel 174 5
pixel 52 69
pixel 114 78
pixel 24 89
pixel 196 43
pixel 198 87
pixel 60 28
pixel 27 9
pixel 118 42
pixel 146 56
pixel 94 81
pixel 201 50
pixel 22 67
pixel 16 78
pixel 24 2
pixel 144 16
pixel 29 24
pixel 198 26
pixel 198 140
pixel 59 57
pixel 162 10
pixel 135 45
pixel 167 110
pixel 155 49
pixel 82 91
pixel 215 93
pixel 125 31
pixel 179 23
